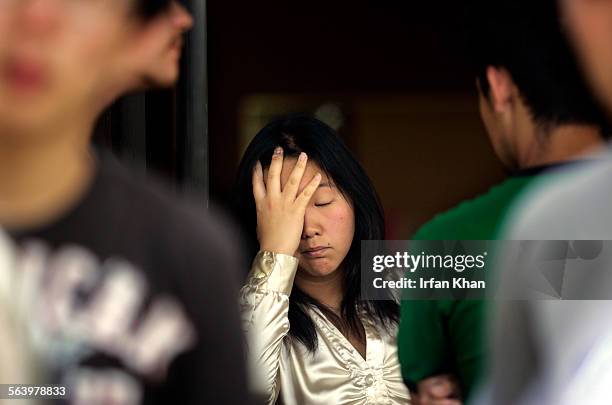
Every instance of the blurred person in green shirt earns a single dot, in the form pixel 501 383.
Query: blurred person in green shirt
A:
pixel 559 349
pixel 538 114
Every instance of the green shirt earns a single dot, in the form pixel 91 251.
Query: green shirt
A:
pixel 447 336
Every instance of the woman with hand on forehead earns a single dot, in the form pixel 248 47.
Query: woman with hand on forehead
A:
pixel 307 204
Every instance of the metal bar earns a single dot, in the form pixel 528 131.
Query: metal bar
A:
pixel 193 106
pixel 133 147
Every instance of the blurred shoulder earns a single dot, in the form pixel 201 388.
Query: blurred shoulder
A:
pixel 572 203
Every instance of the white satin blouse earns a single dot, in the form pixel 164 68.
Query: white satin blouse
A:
pixel 282 369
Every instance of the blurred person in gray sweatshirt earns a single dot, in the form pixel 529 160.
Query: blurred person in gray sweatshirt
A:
pixel 136 291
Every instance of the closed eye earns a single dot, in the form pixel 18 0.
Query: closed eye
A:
pixel 323 204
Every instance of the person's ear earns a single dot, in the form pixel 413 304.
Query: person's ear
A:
pixel 501 86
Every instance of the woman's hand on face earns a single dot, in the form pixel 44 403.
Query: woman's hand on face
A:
pixel 280 214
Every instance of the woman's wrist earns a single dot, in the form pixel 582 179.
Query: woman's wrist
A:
pixel 277 250
pixel 274 271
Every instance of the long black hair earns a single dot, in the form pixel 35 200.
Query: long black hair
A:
pixel 302 133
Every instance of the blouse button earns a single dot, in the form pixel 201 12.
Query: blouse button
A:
pixel 369 380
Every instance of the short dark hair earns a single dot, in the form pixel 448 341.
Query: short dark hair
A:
pixel 301 133
pixel 150 8
pixel 526 38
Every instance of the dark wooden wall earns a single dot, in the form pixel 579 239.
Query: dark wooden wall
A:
pixel 371 51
